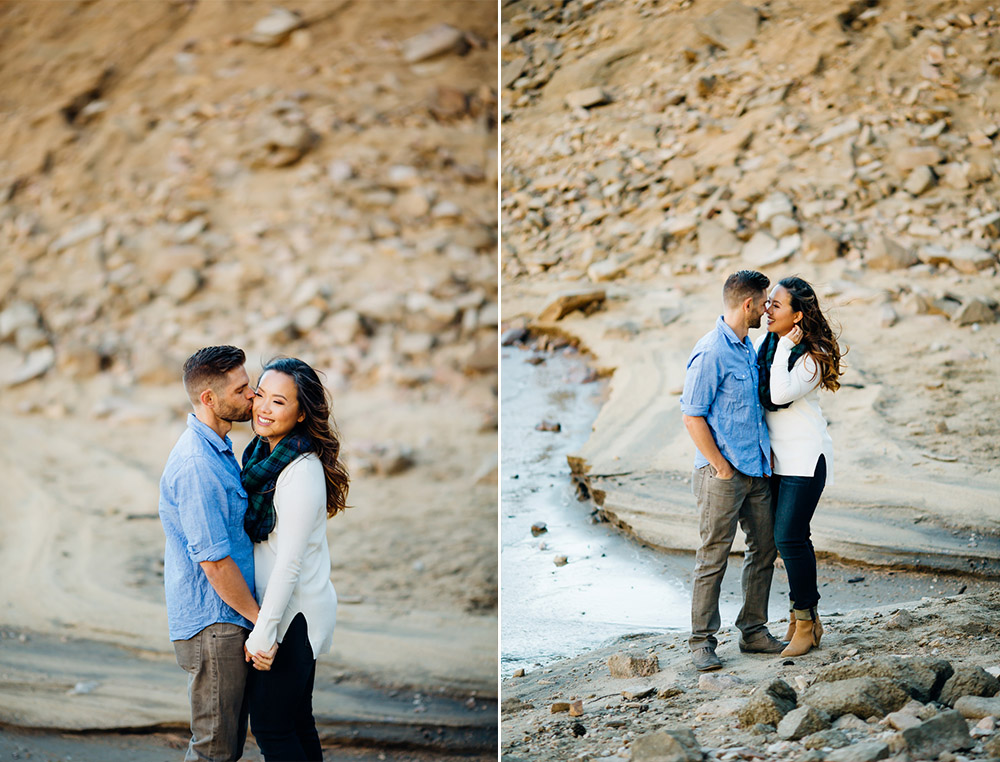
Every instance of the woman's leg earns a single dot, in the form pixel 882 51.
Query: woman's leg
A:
pixel 276 699
pixel 795 503
pixel 305 724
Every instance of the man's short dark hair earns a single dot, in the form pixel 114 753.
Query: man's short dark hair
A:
pixel 743 285
pixel 208 367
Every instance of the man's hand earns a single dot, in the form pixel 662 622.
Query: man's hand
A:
pixel 263 660
pixel 725 473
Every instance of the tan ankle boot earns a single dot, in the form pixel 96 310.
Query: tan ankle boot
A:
pixel 790 633
pixel 802 639
pixel 817 627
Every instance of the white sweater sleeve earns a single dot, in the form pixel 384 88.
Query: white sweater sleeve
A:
pixel 301 492
pixel 788 386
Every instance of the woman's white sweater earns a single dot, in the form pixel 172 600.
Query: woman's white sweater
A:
pixel 798 432
pixel 292 566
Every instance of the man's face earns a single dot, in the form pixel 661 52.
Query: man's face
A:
pixel 758 306
pixel 235 397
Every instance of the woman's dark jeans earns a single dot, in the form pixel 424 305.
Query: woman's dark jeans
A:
pixel 793 501
pixel 280 700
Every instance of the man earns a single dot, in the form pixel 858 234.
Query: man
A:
pixel 208 561
pixel 725 419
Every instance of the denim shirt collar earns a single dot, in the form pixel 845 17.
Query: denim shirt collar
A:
pixel 728 332
pixel 207 433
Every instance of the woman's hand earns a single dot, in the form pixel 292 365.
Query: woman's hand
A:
pixel 795 335
pixel 263 660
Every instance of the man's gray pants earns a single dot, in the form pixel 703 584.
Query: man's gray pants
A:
pixel 217 676
pixel 721 504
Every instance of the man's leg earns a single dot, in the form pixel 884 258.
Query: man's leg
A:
pixel 718 507
pixel 758 561
pixel 217 675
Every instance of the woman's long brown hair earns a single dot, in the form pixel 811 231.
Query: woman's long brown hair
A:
pixel 817 336
pixel 318 426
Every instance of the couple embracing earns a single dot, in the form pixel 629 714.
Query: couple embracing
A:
pixel 764 457
pixel 246 563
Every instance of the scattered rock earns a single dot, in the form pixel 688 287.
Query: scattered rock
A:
pixel 567 301
pixel 832 738
pixel 587 98
pixel 538 528
pixel 975 707
pixel 945 732
pixel 549 426
pixel 732 27
pixel 36 364
pixel 275 28
pixel 560 560
pixel 625 664
pixel 639 694
pixel 866 751
pixel 901 620
pixel 17 316
pixel 969 681
pixel 800 722
pixel 769 703
pixel 715 241
pixel 436 41
pixel 975 310
pixel 885 254
pixel 718 682
pixel 971 259
pixel 675 745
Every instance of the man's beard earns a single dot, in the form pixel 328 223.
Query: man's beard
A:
pixel 233 414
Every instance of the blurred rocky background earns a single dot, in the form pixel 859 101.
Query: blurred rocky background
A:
pixel 316 180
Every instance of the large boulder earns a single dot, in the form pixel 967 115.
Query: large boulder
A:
pixel 862 696
pixel 922 677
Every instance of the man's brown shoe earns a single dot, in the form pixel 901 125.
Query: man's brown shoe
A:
pixel 765 643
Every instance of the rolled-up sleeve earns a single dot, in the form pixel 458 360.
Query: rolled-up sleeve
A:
pixel 701 382
pixel 202 505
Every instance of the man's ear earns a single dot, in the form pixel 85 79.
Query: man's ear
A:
pixel 207 398
pixel 748 304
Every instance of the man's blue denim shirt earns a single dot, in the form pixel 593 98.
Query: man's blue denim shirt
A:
pixel 202 503
pixel 721 386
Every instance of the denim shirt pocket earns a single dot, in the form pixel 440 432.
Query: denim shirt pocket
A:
pixel 238 504
pixel 738 390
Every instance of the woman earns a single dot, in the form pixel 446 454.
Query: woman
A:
pixel 294 482
pixel 796 357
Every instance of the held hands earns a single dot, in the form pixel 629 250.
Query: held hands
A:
pixel 263 660
pixel 795 335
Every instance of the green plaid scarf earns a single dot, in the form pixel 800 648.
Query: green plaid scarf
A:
pixel 765 357
pixel 261 467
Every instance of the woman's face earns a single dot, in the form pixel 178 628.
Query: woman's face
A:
pixel 781 318
pixel 275 407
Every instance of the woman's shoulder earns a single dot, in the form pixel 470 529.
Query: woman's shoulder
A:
pixel 305 466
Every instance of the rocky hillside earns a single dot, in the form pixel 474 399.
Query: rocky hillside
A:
pixel 316 180
pixel 670 137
